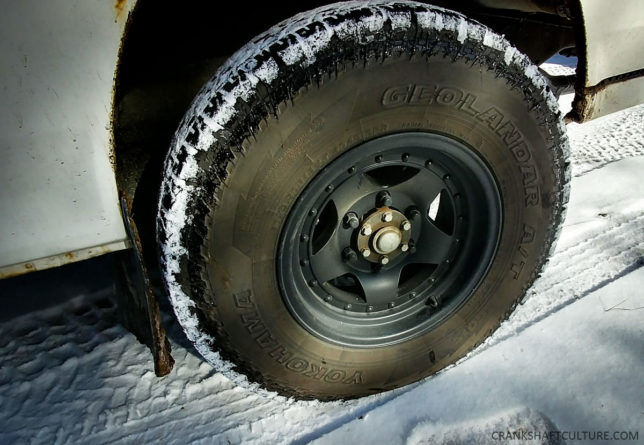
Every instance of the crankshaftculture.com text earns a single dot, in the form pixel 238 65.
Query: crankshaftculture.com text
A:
pixel 587 436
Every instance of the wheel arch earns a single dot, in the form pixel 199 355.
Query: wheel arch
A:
pixel 167 55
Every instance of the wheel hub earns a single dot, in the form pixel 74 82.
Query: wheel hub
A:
pixel 383 235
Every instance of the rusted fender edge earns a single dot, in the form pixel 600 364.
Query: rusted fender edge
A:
pixel 13 270
pixel 610 95
pixel 138 308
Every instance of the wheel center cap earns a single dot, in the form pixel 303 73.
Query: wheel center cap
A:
pixel 383 235
pixel 386 240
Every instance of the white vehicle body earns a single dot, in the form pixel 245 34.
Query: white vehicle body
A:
pixel 59 197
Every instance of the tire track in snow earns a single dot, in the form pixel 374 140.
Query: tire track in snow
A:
pixel 575 272
pixel 607 139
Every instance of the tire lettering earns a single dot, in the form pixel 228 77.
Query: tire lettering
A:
pixel 520 152
pixel 517 268
pixel 316 372
pixel 508 131
pixel 467 105
pixel 526 238
pixel 491 116
pixel 281 355
pixel 423 94
pixel 297 364
pixel 252 323
pixel 396 96
pixel 449 96
pixel 242 300
pixel 334 376
pixel 355 379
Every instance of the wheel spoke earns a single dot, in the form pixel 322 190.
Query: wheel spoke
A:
pixel 350 191
pixel 380 287
pixel 433 245
pixel 327 262
pixel 421 188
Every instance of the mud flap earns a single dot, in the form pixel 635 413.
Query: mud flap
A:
pixel 138 309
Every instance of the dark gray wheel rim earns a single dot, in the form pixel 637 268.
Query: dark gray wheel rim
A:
pixel 433 212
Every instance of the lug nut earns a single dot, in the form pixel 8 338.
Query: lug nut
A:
pixel 406 225
pixel 383 199
pixel 384 260
pixel 351 220
pixel 387 217
pixel 349 254
pixel 366 230
pixel 413 213
pixel 365 252
pixel 404 247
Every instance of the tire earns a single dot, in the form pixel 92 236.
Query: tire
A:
pixel 430 128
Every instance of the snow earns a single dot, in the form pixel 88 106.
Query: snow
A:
pixel 568 361
pixel 580 369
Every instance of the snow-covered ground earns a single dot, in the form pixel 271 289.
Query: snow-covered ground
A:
pixel 569 362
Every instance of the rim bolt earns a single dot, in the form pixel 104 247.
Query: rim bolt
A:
pixel 379 158
pixel 404 247
pixel 384 259
pixel 391 305
pixel 406 226
pixel 369 308
pixel 412 247
pixel 349 254
pixel 383 199
pixel 365 252
pixel 387 217
pixel 304 238
pixel 351 220
pixel 348 306
pixel 351 170
pixel 366 230
pixel 304 263
pixel 313 212
pixel 329 188
pixel 328 298
pixel 405 157
pixel 413 213
pixel 313 283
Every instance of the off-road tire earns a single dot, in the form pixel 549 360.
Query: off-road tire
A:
pixel 320 86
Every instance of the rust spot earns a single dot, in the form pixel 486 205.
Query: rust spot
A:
pixel 69 255
pixel 119 7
